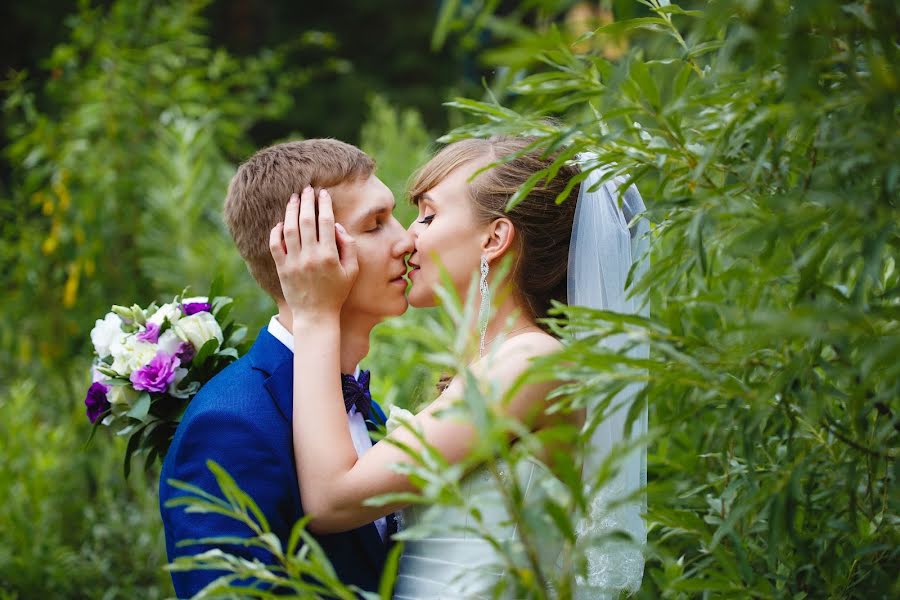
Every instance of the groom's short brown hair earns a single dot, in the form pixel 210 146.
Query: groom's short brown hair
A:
pixel 262 186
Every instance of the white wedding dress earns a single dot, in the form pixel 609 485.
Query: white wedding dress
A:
pixel 453 560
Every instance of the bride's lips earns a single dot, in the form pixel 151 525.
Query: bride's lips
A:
pixel 413 267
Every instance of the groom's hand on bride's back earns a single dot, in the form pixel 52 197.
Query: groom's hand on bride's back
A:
pixel 315 257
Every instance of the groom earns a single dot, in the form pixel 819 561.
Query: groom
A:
pixel 242 418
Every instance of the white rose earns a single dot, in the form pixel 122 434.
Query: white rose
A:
pixel 105 333
pixel 131 354
pixel 168 342
pixel 169 311
pixel 399 417
pixel 198 329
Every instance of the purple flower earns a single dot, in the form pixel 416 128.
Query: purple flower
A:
pixel 194 307
pixel 96 401
pixel 157 374
pixel 150 333
pixel 185 352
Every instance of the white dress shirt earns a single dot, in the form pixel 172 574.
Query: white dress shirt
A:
pixel 358 431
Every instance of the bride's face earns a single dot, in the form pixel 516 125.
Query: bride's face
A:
pixel 447 236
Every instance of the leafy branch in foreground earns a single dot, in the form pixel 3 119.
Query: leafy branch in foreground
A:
pixel 301 569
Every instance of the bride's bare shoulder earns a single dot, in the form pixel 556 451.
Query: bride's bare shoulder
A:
pixel 530 345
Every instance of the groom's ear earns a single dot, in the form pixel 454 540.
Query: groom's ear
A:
pixel 499 238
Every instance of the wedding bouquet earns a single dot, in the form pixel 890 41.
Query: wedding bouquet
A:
pixel 149 363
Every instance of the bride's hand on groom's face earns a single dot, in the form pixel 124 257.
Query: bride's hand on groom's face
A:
pixel 315 257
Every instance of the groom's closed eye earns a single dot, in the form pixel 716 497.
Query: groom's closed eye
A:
pixel 375 218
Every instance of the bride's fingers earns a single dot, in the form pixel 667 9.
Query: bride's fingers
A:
pixel 291 228
pixel 347 248
pixel 276 244
pixel 308 218
pixel 326 224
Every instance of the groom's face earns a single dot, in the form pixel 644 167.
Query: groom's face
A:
pixel 365 209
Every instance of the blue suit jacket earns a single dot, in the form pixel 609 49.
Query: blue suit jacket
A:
pixel 242 420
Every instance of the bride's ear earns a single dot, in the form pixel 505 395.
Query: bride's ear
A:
pixel 499 239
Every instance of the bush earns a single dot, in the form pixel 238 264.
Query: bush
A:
pixel 123 156
pixel 763 135
pixel 121 166
pixel 72 527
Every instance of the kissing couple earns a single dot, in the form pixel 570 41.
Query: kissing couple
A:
pixel 291 420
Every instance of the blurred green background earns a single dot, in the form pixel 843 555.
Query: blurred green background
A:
pixel 761 132
pixel 122 124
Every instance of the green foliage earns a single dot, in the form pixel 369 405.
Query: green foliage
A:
pixel 71 526
pixel 182 236
pixel 764 137
pixel 761 134
pixel 119 159
pixel 301 569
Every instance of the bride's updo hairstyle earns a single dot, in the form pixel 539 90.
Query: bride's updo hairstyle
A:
pixel 543 229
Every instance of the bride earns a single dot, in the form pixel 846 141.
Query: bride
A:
pixel 579 252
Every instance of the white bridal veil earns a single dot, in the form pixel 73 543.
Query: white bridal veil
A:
pixel 601 253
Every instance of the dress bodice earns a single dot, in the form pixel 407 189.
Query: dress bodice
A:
pixel 448 554
pixel 452 557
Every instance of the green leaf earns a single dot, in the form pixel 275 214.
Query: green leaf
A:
pixel 389 572
pixel 562 520
pixel 620 27
pixel 222 309
pixel 641 75
pixel 134 443
pixel 236 337
pixel 209 347
pixel 141 407
pixel 216 287
pixel 234 493
pixel 448 11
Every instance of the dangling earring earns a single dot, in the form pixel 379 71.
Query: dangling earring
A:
pixel 484 311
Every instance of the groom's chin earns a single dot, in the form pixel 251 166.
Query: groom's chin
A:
pixel 388 309
pixel 401 307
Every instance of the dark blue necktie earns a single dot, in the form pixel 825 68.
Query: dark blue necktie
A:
pixel 356 393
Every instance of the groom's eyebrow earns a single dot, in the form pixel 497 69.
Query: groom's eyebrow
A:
pixel 379 210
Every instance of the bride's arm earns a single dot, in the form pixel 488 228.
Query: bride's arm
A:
pixel 334 482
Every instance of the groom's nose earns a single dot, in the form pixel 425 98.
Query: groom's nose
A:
pixel 405 242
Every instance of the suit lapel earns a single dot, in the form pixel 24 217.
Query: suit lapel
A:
pixel 280 385
pixel 275 360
